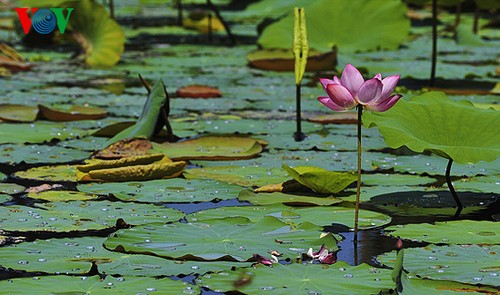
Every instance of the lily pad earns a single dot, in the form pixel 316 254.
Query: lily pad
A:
pixel 231 238
pixel 287 199
pixel 211 148
pixel 18 113
pixel 369 28
pixel 241 175
pixel 4 198
pixel 75 255
pixel 319 179
pixel 433 122
pixel 339 278
pixel 49 173
pixel 449 232
pixel 33 154
pixel 2 176
pixel 469 264
pixel 61 196
pixel 11 188
pixel 283 60
pixel 321 216
pixel 168 190
pixel 37 132
pixel 198 91
pixel 395 179
pixel 72 113
pixel 487 184
pixel 77 215
pixel 95 285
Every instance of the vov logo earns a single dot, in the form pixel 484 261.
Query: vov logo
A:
pixel 45 20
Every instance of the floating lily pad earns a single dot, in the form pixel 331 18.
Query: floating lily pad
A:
pixel 11 188
pixel 18 113
pixel 284 60
pixel 76 255
pixel 95 285
pixel 470 264
pixel 198 91
pixel 339 278
pixel 413 285
pixel 241 175
pixel 72 113
pixel 231 238
pixel 395 179
pixel 168 190
pixel 49 173
pixel 61 196
pixel 433 122
pixel 33 154
pixel 88 143
pixel 317 215
pixel 77 215
pixel 287 199
pixel 4 198
pixel 450 232
pixel 211 148
pixel 319 179
pixel 360 17
pixel 2 176
pixel 37 132
pixel 487 184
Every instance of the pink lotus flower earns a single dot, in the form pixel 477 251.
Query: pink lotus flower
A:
pixel 352 89
pixel 322 256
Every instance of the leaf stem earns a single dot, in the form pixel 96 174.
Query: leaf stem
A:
pixel 299 136
pixel 434 43
pixel 223 21
pixel 452 189
pixel 358 187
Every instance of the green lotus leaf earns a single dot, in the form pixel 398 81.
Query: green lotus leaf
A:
pixel 319 179
pixel 470 264
pixel 240 175
pixel 61 113
pixel 75 255
pixel 339 278
pixel 77 215
pixel 37 132
pixel 449 232
pixel 65 285
pixel 395 179
pixel 231 238
pixel 146 124
pixel 165 190
pixel 33 154
pixel 327 20
pixel 11 188
pixel 486 184
pixel 321 216
pixel 2 176
pixel 49 173
pixel 18 113
pixel 61 196
pixel 211 148
pixel 4 198
pixel 97 33
pixel 287 199
pixel 413 285
pixel 433 122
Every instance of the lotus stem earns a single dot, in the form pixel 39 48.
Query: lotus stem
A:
pixel 452 189
pixel 434 43
pixel 224 23
pixel 299 136
pixel 210 28
pixel 179 13
pixel 475 26
pixel 458 14
pixel 145 84
pixel 358 187
pixel 111 9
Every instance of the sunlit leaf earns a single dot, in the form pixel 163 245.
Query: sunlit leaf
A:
pixel 72 113
pixel 287 199
pixel 18 113
pixel 319 179
pixel 433 122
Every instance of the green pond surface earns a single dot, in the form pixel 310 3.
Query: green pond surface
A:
pixel 198 233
